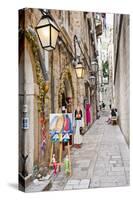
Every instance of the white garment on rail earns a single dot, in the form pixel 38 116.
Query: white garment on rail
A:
pixel 77 136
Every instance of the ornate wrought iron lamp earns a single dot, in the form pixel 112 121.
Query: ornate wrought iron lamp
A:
pixel 79 68
pixel 94 65
pixel 47 32
pixel 92 79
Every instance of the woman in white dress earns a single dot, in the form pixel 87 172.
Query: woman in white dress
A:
pixel 77 123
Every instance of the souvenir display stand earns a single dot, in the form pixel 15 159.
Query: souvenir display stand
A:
pixel 60 128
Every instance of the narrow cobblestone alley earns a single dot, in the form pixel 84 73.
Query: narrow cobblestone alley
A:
pixel 103 160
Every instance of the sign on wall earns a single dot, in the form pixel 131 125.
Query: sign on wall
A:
pixel 25 123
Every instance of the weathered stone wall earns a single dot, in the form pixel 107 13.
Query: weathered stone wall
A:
pixel 122 80
pixel 28 84
pixel 30 139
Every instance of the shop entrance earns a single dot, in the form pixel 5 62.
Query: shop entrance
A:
pixel 67 104
pixel 67 96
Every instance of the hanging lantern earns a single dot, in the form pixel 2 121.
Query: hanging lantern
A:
pixel 79 70
pixel 92 80
pixel 94 65
pixel 47 32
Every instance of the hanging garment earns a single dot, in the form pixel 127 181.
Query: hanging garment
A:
pixel 67 128
pixel 88 114
pixel 66 123
pixel 78 124
pixel 77 136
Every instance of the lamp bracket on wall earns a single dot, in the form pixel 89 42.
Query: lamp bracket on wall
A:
pixel 76 41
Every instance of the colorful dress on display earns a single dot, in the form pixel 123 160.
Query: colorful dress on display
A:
pixel 67 128
pixel 88 114
pixel 78 124
pixel 56 126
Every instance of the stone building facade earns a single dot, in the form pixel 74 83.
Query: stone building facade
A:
pixel 47 80
pixel 105 44
pixel 121 72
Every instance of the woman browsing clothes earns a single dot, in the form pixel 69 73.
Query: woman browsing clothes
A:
pixel 78 123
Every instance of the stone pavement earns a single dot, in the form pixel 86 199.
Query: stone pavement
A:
pixel 103 160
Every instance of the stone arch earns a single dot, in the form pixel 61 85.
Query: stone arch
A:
pixel 26 96
pixel 30 77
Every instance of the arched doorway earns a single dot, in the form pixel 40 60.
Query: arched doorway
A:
pixel 66 94
pixel 66 91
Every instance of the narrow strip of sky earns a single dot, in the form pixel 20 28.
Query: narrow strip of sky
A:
pixel 109 19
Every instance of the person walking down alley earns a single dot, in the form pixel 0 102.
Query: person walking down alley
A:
pixel 103 105
pixel 78 121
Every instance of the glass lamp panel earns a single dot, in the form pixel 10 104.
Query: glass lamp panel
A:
pixel 43 22
pixel 44 35
pixel 79 72
pixel 54 36
pixel 92 80
pixel 46 21
pixel 94 66
pixel 83 72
